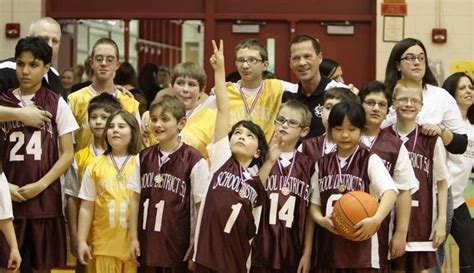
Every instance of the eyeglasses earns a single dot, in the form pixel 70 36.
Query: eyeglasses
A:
pixel 405 100
pixel 412 58
pixel 108 59
pixel 292 123
pixel 372 103
pixel 249 61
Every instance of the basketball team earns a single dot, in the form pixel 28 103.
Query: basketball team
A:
pixel 243 180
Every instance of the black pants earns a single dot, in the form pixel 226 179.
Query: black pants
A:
pixel 462 230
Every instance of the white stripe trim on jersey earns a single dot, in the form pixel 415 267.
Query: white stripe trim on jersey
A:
pixel 8 64
pixel 374 255
pixel 420 246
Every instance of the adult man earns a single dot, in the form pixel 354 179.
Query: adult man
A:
pixel 305 57
pixel 50 30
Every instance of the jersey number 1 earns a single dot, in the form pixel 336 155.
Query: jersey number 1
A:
pixel 32 148
pixel 160 206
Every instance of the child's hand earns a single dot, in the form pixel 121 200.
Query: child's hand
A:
pixel 305 264
pixel 438 234
pixel 274 149
pixel 397 244
pixel 16 196
pixel 82 251
pixel 135 250
pixel 326 222
pixel 217 59
pixel 366 228
pixel 15 260
pixel 31 190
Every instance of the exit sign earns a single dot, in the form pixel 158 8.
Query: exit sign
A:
pixel 394 9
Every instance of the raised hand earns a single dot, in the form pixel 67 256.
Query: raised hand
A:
pixel 217 59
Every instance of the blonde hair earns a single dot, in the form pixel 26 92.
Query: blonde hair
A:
pixel 409 84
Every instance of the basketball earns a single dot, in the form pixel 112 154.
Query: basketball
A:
pixel 350 209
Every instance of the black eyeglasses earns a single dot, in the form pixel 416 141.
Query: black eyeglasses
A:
pixel 372 103
pixel 412 58
pixel 250 61
pixel 293 123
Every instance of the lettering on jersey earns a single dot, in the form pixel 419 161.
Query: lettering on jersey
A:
pixel 168 182
pixel 9 126
pixel 233 182
pixel 258 113
pixel 420 162
pixel 275 183
pixel 348 182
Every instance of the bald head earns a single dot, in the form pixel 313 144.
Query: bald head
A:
pixel 50 30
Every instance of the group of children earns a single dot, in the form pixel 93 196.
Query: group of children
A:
pixel 247 205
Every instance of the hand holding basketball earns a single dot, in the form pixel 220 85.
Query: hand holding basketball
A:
pixel 366 228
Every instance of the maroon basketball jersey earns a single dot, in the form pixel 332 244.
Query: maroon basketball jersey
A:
pixel 314 147
pixel 279 242
pixel 421 156
pixel 227 223
pixel 387 147
pixel 165 206
pixel 29 153
pixel 335 251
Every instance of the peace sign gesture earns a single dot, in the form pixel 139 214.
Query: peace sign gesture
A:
pixel 217 59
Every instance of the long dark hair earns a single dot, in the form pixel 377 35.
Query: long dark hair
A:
pixel 451 85
pixel 392 75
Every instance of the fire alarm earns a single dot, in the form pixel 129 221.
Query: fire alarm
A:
pixel 12 30
pixel 440 35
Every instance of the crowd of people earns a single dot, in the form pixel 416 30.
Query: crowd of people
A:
pixel 156 174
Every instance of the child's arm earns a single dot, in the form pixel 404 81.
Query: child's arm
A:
pixel 135 244
pixel 14 261
pixel 305 261
pixel 323 221
pixel 402 210
pixel 60 167
pixel 222 101
pixel 86 213
pixel 72 214
pixel 438 234
pixel 31 115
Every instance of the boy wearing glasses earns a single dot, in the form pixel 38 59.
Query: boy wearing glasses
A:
pixel 375 101
pixel 104 61
pixel 428 158
pixel 253 98
pixel 285 240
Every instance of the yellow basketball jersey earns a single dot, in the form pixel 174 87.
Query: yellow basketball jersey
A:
pixel 82 158
pixel 266 106
pixel 198 131
pixel 110 224
pixel 79 102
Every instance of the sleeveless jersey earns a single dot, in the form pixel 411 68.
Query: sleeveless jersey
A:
pixel 167 207
pixel 110 226
pixel 423 212
pixel 29 153
pixel 279 244
pixel 266 106
pixel 79 102
pixel 226 222
pixel 335 251
pixel 314 147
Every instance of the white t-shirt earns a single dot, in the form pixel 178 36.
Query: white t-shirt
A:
pixel 6 209
pixel 460 167
pixel 403 174
pixel 380 179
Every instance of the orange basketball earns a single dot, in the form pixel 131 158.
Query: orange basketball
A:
pixel 350 209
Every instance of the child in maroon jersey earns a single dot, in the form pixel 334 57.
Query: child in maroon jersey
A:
pixel 174 179
pixel 428 157
pixel 229 216
pixel 351 167
pixel 285 239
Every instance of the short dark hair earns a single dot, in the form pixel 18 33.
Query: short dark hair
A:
pixel 340 93
pixel 392 75
pixel 258 132
pixel 328 67
pixel 38 47
pixel 375 87
pixel 253 43
pixel 305 38
pixel 105 101
pixel 135 144
pixel 350 109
